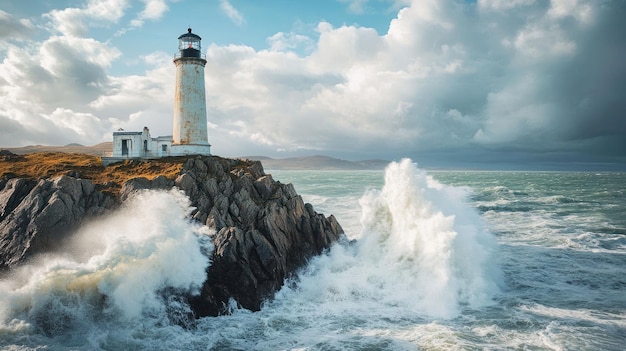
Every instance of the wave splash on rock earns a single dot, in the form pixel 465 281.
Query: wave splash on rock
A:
pixel 122 267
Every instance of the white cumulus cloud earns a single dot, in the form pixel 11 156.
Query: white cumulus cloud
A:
pixel 232 12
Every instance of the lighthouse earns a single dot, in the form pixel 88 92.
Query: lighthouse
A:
pixel 189 134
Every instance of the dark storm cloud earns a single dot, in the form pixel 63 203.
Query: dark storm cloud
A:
pixel 592 86
pixel 563 89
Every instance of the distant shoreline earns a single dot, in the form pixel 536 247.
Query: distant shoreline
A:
pixel 318 162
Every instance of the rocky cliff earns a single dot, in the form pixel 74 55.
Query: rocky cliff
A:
pixel 264 230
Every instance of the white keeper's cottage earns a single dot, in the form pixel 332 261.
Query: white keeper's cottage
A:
pixel 189 133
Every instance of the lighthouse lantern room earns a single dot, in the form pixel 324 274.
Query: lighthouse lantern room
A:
pixel 189 44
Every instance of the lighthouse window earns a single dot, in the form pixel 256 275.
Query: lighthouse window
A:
pixel 189 43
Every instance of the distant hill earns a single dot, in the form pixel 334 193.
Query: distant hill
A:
pixel 96 150
pixel 317 162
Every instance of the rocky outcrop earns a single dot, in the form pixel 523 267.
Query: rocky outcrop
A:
pixel 36 216
pixel 264 230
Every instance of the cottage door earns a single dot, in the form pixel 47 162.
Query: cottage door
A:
pixel 125 147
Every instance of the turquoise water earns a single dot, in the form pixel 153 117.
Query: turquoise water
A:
pixel 433 260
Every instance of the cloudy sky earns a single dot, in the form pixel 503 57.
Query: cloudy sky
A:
pixel 486 83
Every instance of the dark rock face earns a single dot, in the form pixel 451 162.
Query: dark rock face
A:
pixel 35 217
pixel 6 155
pixel 264 231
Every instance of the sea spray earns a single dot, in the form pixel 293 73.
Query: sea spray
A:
pixel 114 270
pixel 423 249
pixel 427 231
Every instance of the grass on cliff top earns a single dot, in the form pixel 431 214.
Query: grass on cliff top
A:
pixel 52 164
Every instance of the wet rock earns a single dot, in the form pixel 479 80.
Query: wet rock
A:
pixel 37 216
pixel 264 231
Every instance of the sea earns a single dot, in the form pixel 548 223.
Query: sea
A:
pixel 431 260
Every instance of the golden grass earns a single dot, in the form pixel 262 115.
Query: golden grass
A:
pixel 112 177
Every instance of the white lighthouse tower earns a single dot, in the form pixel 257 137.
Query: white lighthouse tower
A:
pixel 190 135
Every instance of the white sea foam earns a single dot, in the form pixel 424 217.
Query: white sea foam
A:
pixel 607 319
pixel 113 270
pixel 422 249
pixel 426 231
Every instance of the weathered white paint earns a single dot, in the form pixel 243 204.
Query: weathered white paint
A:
pixel 190 122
